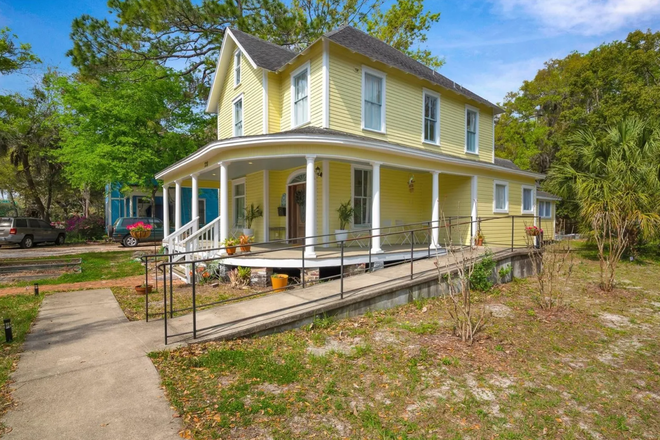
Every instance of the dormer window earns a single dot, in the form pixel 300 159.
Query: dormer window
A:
pixel 300 96
pixel 237 68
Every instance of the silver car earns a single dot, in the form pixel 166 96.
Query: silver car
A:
pixel 27 232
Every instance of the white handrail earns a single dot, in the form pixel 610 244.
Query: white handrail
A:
pixel 202 231
pixel 188 229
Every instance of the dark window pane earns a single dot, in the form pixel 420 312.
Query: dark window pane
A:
pixel 33 223
pixel 21 223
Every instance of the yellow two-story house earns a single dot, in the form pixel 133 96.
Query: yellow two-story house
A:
pixel 349 119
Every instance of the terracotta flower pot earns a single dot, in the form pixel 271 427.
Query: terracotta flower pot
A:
pixel 231 250
pixel 141 290
pixel 279 282
pixel 479 241
pixel 246 248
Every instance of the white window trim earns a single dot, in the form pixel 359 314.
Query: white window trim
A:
pixel 383 112
pixel 506 196
pixel 295 73
pixel 476 139
pixel 437 128
pixel 239 67
pixel 233 114
pixel 522 199
pixel 353 168
pixel 551 208
pixel 235 183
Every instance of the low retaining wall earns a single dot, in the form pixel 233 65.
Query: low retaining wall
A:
pixel 396 293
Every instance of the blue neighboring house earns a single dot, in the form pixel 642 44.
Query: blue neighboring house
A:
pixel 134 202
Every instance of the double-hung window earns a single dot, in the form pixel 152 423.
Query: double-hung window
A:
pixel 527 200
pixel 238 116
pixel 545 209
pixel 239 202
pixel 373 100
pixel 431 118
pixel 361 197
pixel 501 197
pixel 471 130
pixel 300 96
pixel 237 68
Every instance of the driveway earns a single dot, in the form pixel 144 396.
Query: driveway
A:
pixel 49 250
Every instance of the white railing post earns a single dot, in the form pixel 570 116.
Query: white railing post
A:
pixel 375 208
pixel 216 232
pixel 310 208
pixel 435 210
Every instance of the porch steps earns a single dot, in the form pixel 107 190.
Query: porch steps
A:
pixel 378 290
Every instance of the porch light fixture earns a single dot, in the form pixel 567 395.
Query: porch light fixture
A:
pixel 318 172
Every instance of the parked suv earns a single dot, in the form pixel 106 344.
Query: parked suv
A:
pixel 120 234
pixel 27 232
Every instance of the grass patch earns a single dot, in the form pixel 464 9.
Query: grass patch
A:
pixel 22 310
pixel 95 266
pixel 590 371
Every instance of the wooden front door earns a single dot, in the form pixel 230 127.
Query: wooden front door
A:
pixel 296 211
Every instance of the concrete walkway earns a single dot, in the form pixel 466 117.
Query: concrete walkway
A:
pixel 85 375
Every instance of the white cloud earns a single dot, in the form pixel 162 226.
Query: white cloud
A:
pixel 584 17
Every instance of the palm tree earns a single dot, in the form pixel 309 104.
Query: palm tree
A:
pixel 615 175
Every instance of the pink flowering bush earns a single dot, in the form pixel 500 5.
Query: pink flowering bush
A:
pixel 533 230
pixel 139 227
pixel 85 228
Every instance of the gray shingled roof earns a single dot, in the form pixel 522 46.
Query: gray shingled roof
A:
pixel 546 195
pixel 360 42
pixel 265 54
pixel 506 163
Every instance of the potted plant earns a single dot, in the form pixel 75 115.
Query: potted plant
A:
pixel 534 231
pixel 479 238
pixel 279 281
pixel 139 230
pixel 251 213
pixel 143 289
pixel 230 245
pixel 345 212
pixel 244 241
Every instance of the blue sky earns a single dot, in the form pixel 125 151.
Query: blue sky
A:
pixel 490 46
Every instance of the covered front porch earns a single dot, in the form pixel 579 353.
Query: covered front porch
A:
pixel 299 195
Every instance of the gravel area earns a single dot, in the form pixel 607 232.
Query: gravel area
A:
pixel 49 250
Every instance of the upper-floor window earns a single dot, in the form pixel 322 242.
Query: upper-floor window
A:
pixel 431 117
pixel 527 200
pixel 545 209
pixel 373 99
pixel 300 96
pixel 238 116
pixel 361 197
pixel 471 130
pixel 237 68
pixel 501 197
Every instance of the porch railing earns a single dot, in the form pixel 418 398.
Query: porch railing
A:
pixel 447 229
pixel 175 239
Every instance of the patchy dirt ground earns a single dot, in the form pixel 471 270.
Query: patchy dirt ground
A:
pixel 50 250
pixel 591 371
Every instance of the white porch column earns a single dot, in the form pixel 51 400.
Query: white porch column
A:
pixel 130 204
pixel 375 207
pixel 435 213
pixel 224 204
pixel 194 205
pixel 166 212
pixel 325 181
pixel 474 213
pixel 310 208
pixel 177 205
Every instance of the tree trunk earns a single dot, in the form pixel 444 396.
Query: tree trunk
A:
pixel 34 193
pixel 13 202
pixel 86 196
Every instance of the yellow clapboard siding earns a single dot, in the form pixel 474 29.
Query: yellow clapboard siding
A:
pixel 404 104
pixel 274 103
pixel 252 90
pixel 315 58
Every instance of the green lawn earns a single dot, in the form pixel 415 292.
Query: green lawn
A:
pixel 589 372
pixel 95 266
pixel 21 309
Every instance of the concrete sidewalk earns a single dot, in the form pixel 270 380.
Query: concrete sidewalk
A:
pixel 85 375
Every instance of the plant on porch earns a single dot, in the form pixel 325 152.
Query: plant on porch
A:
pixel 345 214
pixel 245 241
pixel 251 214
pixel 230 245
